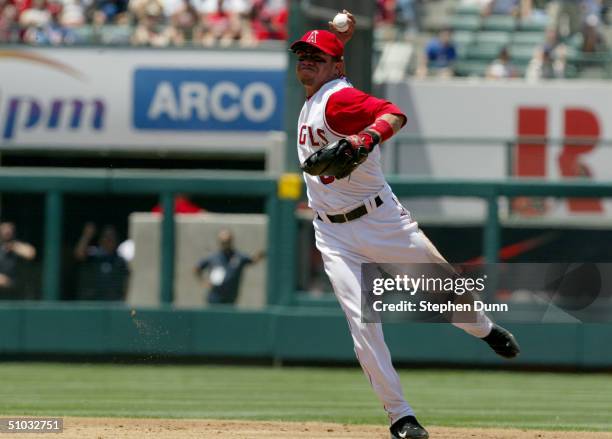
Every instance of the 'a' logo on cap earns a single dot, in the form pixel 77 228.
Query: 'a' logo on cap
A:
pixel 312 38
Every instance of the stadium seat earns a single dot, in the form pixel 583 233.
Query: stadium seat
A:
pixel 463 37
pixel 493 38
pixel 575 41
pixel 499 23
pixel 573 54
pixel 471 68
pixel 482 52
pixel 527 38
pixel 533 25
pixel 463 40
pixel 521 54
pixel 465 22
pixel 473 10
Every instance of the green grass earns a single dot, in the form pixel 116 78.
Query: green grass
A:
pixel 450 398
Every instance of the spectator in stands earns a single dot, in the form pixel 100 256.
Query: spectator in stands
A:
pixel 111 8
pixel 591 7
pixel 34 19
pixel 42 25
pixel 183 21
pixel 35 14
pixel 138 8
pixel 560 61
pixel 551 39
pixel 215 25
pixel 224 21
pixel 569 18
pixel 12 252
pixel 73 14
pixel 505 7
pixel 440 56
pixel 385 11
pixel 225 269
pixel 53 33
pixel 484 5
pixel 605 10
pixel 10 31
pixel 502 67
pixel 539 65
pixel 408 16
pixel 592 37
pixel 103 273
pixel 536 10
pixel 547 64
pixel 269 20
pixel 149 30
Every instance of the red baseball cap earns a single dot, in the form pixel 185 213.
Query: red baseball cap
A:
pixel 323 40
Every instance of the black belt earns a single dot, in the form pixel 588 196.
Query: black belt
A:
pixel 358 212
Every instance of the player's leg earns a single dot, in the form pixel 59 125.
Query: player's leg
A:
pixel 344 271
pixel 500 340
pixel 393 237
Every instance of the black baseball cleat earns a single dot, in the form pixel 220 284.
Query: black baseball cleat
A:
pixel 408 428
pixel 502 342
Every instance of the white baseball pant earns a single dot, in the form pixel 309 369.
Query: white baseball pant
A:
pixel 386 234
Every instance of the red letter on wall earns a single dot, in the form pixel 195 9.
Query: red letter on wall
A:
pixel 530 156
pixel 583 124
pixel 530 160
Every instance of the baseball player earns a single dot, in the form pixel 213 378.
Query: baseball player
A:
pixel 358 219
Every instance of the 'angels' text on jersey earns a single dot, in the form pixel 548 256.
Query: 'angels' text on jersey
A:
pixel 316 136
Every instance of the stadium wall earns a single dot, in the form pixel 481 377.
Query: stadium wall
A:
pixel 277 334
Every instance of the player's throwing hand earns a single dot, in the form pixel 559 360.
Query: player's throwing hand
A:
pixel 345 35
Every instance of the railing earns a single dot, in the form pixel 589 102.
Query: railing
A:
pixel 280 208
pixel 394 147
pixel 490 191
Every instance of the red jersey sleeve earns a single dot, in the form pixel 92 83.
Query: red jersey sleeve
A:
pixel 349 111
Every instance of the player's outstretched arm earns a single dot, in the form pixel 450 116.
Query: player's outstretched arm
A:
pixel 381 130
pixel 345 36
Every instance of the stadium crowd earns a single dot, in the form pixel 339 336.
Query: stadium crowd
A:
pixel 156 23
pixel 570 28
pixel 529 38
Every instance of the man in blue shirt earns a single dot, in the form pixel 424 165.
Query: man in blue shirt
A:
pixel 441 52
pixel 225 269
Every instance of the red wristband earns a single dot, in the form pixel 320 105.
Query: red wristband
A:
pixel 383 128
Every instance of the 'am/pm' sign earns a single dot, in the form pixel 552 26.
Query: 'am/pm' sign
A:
pixel 208 100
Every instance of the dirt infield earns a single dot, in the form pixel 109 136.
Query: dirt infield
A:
pixel 111 428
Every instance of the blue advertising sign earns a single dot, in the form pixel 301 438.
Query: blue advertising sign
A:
pixel 208 100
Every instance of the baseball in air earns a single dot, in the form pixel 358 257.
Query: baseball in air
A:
pixel 341 22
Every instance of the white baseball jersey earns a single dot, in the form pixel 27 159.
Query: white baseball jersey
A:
pixel 386 234
pixel 326 193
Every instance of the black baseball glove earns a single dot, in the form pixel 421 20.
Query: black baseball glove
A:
pixel 337 159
